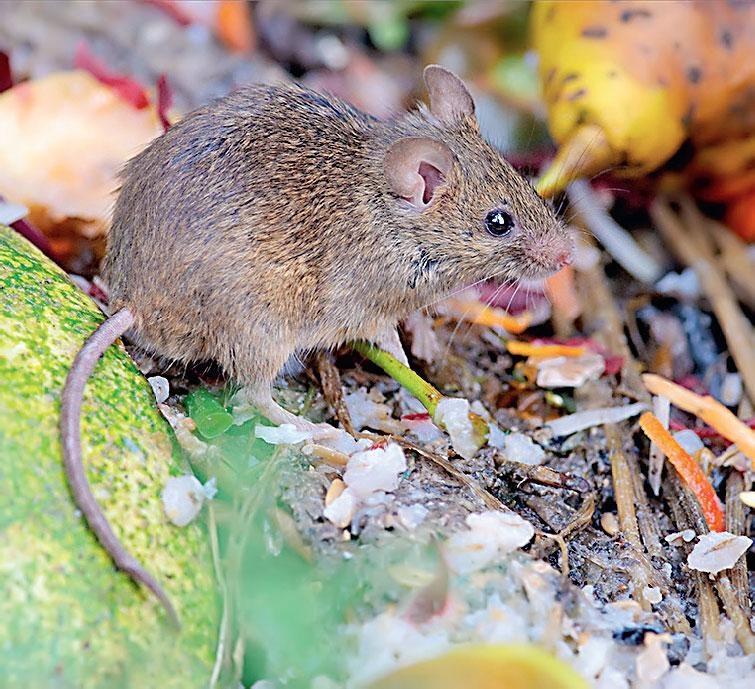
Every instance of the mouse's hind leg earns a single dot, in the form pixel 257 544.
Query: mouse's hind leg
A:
pixel 260 395
pixel 256 373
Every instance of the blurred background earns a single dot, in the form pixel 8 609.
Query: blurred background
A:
pixel 638 120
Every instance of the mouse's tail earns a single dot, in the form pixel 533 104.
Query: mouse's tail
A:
pixel 70 428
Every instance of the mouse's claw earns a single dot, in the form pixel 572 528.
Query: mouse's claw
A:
pixel 274 412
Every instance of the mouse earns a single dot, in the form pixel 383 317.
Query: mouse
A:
pixel 278 220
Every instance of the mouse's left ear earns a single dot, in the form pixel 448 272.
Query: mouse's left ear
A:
pixel 415 167
pixel 450 100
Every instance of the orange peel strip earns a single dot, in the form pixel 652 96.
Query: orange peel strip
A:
pixel 520 348
pixel 706 408
pixel 689 470
pixel 479 313
pixel 233 25
pixel 563 293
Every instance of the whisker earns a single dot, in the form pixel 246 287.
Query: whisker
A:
pixel 463 288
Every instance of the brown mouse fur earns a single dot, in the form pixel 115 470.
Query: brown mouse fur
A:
pixel 278 220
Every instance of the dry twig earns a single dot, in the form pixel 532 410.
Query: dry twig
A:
pixel 330 379
pixel 735 523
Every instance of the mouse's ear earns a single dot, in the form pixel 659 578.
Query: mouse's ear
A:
pixel 415 167
pixel 449 98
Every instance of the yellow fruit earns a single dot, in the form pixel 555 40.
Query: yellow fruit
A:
pixel 486 667
pixel 627 83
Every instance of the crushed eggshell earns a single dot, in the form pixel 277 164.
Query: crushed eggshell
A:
pixel 684 284
pixel 286 434
pixel 411 516
pixel 518 447
pixel 652 662
pixel 717 550
pixel 368 410
pixel 375 469
pixel 341 510
pixel 686 677
pixel 182 499
pixel 210 488
pixel 490 534
pixel 687 535
pixel 586 256
pixel 421 426
pixel 452 413
pixel 496 437
pixel 569 372
pixel 160 387
pixel 345 443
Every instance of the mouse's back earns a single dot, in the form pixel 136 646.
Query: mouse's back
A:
pixel 246 189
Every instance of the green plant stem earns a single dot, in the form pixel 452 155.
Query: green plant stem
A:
pixel 420 388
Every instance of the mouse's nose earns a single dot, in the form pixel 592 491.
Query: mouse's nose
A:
pixel 563 259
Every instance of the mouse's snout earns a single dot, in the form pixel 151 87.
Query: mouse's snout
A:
pixel 563 259
pixel 551 253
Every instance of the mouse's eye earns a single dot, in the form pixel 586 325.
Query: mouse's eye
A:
pixel 499 222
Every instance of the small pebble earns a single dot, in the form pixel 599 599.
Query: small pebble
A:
pixel 609 522
pixel 731 389
pixel 689 440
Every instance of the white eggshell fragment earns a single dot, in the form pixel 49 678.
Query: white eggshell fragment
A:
pixel 717 551
pixel 286 434
pixel 372 470
pixel 518 447
pixel 182 499
pixel 452 413
pixel 490 535
pixel 569 372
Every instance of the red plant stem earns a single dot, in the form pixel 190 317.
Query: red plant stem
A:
pixel 32 234
pixel 164 101
pixel 704 431
pixel 6 76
